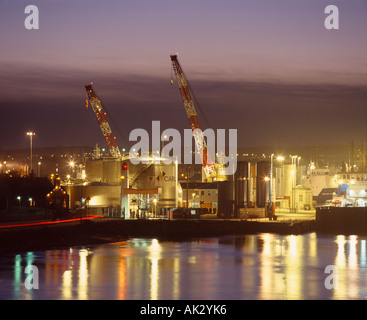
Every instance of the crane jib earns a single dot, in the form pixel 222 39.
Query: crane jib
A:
pixel 192 115
pixel 102 121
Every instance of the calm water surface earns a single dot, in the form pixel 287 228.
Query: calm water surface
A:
pixel 264 266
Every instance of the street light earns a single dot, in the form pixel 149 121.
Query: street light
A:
pixel 293 193
pixel 268 193
pixel 274 191
pixel 31 134
pixel 271 189
pixel 155 207
pixel 299 158
pixel 271 183
pixel 39 169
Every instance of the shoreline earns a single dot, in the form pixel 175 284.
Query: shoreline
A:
pixel 109 230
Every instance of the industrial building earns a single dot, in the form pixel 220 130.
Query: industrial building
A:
pixel 198 195
pixel 118 188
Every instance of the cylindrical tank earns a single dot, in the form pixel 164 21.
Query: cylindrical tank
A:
pixel 103 170
pixel 242 184
pixel 225 199
pixel 161 176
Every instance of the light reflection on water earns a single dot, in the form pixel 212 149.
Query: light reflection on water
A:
pixel 264 266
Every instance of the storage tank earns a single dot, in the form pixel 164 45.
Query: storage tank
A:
pixel 156 175
pixel 103 170
pixel 225 199
pixel 242 184
pixel 289 179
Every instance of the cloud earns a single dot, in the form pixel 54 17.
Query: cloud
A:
pixel 52 100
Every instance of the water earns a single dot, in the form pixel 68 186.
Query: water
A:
pixel 264 266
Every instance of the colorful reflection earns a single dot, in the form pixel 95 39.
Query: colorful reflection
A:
pixel 265 266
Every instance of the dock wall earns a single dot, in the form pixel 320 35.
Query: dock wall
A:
pixel 341 220
pixel 106 230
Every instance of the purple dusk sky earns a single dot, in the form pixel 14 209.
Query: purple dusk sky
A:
pixel 268 68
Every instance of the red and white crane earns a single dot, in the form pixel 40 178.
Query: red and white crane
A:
pixel 100 114
pixel 208 165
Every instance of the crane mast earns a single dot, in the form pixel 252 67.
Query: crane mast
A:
pixel 191 113
pixel 100 114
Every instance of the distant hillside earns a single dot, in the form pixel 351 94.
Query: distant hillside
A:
pixel 322 155
pixel 46 151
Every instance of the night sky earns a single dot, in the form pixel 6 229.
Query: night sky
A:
pixel 268 68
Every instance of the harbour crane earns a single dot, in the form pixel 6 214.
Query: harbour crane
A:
pixel 208 165
pixel 101 116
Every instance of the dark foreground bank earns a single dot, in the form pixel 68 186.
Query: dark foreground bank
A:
pixel 112 230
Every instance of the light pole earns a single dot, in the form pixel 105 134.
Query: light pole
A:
pixel 31 134
pixel 267 193
pixel 39 169
pixel 299 158
pixel 294 163
pixel 312 167
pixel 294 181
pixel 271 184
pixel 155 207
pixel 293 192
pixel 187 185
pixel 279 177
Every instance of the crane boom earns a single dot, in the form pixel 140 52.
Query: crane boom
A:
pixel 191 113
pixel 100 114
